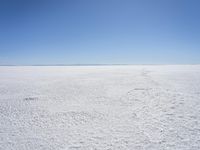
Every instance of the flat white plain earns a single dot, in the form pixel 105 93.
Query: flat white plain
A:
pixel 100 107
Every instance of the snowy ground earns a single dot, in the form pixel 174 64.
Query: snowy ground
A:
pixel 100 107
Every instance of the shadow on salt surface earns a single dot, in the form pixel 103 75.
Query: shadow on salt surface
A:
pixel 142 89
pixel 31 98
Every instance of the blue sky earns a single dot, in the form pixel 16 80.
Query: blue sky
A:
pixel 99 32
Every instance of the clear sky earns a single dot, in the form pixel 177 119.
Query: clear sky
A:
pixel 99 32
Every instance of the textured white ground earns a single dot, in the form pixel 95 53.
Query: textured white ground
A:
pixel 100 107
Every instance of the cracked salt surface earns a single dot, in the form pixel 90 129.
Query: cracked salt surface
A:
pixel 100 107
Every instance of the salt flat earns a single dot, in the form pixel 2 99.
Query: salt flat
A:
pixel 153 107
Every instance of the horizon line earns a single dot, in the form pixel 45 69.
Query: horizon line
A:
pixel 95 64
